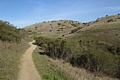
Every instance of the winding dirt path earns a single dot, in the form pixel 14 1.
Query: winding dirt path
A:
pixel 27 67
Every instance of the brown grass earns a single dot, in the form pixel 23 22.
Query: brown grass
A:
pixel 53 28
pixel 10 54
pixel 79 73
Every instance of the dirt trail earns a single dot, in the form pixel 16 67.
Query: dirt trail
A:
pixel 27 68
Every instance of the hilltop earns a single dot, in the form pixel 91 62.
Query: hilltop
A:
pixel 106 29
pixel 56 28
pixel 62 28
pixel 107 21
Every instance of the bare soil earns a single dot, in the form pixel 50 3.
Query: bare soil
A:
pixel 27 67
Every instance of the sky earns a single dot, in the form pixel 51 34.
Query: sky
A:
pixel 22 13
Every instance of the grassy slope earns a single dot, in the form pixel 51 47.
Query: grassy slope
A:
pixel 51 69
pixel 48 69
pixel 10 54
pixel 53 28
pixel 100 33
pixel 109 33
pixel 100 30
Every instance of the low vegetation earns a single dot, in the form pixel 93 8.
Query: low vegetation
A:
pixel 53 28
pixel 8 32
pixel 13 43
pixel 76 29
pixel 47 69
pixel 92 54
pixel 10 54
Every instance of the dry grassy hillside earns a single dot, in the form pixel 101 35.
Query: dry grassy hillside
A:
pixel 53 28
pixel 62 28
pixel 105 29
pixel 103 23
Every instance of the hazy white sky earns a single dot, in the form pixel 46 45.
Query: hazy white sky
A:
pixel 22 13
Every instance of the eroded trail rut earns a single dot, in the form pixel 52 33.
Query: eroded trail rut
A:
pixel 27 67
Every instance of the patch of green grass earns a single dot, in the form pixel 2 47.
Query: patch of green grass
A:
pixel 47 69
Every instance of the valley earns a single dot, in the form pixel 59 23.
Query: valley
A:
pixel 66 50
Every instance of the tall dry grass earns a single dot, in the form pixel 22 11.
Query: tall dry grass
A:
pixel 79 73
pixel 10 54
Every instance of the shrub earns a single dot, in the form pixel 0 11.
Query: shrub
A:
pixel 9 33
pixel 93 55
pixel 75 25
pixel 59 23
pixel 50 30
pixel 75 30
pixel 110 20
pixel 55 48
pixel 118 18
pixel 97 62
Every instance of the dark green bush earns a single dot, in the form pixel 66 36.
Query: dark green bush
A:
pixel 59 23
pixel 110 20
pixel 93 55
pixel 10 33
pixel 97 61
pixel 55 48
pixel 75 30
